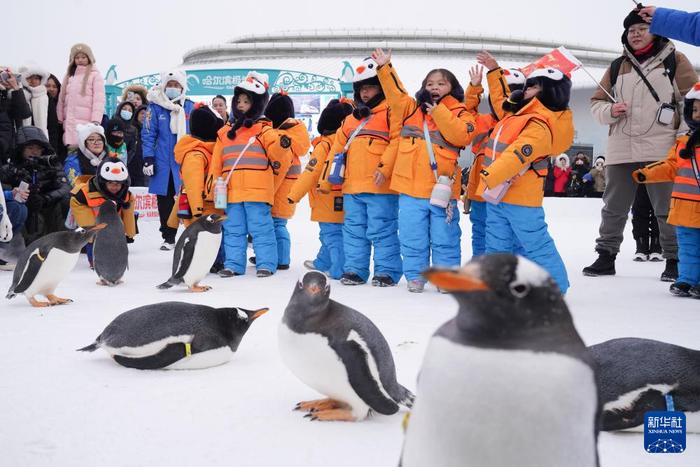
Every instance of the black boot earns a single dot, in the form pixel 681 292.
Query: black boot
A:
pixel 603 266
pixel 642 253
pixel 680 289
pixel 670 274
pixel 655 251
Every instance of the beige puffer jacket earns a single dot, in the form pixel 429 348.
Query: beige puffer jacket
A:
pixel 638 137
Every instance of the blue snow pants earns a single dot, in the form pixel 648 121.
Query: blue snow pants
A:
pixel 422 231
pixel 252 218
pixel 477 216
pixel 688 255
pixel 371 220
pixel 330 257
pixel 284 243
pixel 523 230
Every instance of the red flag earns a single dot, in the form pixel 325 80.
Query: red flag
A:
pixel 559 58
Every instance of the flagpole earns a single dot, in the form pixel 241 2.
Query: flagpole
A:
pixel 599 85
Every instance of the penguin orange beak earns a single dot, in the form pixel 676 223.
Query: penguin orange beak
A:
pixel 221 219
pixel 259 313
pixel 455 280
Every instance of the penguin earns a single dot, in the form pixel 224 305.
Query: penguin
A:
pixel 45 262
pixel 340 353
pixel 195 252
pixel 175 336
pixel 508 381
pixel 635 376
pixel 110 252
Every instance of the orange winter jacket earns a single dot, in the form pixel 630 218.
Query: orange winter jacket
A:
pixel 685 199
pixel 193 156
pixel 451 128
pixel 85 202
pixel 523 142
pixel 498 91
pixel 325 207
pixel 367 151
pixel 484 125
pixel 253 179
pixel 296 131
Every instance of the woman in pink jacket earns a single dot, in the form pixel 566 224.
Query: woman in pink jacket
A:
pixel 82 97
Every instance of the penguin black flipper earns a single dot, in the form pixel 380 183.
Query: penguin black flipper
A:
pixel 36 259
pixel 355 359
pixel 622 419
pixel 182 261
pixel 169 355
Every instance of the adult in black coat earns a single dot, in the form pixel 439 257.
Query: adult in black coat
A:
pixel 135 164
pixel 53 89
pixel 13 109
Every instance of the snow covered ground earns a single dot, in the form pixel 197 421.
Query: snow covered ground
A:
pixel 59 407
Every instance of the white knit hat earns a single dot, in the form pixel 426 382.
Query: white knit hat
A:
pixel 255 82
pixel 84 131
pixel 174 75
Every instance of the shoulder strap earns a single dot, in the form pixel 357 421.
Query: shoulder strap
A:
pixel 356 132
pixel 646 81
pixel 670 65
pixel 614 71
pixel 429 144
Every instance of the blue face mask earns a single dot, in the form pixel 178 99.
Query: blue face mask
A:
pixel 172 93
pixel 126 115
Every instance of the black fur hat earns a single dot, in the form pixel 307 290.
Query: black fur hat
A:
pixel 333 115
pixel 255 87
pixel 279 108
pixel 633 18
pixel 204 124
pixel 556 88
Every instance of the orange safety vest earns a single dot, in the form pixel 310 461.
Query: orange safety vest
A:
pixel 93 202
pixel 413 128
pixel 504 134
pixel 255 157
pixel 484 126
pixel 685 184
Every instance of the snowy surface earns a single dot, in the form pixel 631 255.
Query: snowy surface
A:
pixel 59 407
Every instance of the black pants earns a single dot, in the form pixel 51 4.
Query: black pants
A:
pixel 165 207
pixel 644 223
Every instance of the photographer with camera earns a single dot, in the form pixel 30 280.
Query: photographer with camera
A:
pixel 640 99
pixel 38 182
pixel 13 109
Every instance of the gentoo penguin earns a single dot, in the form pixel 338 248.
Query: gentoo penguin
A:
pixel 175 336
pixel 195 252
pixel 110 252
pixel 508 381
pixel 45 262
pixel 636 374
pixel 340 353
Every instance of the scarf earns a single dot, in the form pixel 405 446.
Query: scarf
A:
pixel 38 101
pixel 93 159
pixel 178 121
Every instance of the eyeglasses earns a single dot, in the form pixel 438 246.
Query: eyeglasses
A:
pixel 638 30
pixel 93 140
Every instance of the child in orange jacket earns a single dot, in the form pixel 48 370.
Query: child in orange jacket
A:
pixel 280 111
pixel 326 208
pixel 253 154
pixel 435 127
pixel 682 166
pixel 499 80
pixel 538 124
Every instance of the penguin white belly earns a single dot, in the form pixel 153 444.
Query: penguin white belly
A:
pixel 310 357
pixel 491 407
pixel 210 358
pixel 146 350
pixel 205 251
pixel 53 270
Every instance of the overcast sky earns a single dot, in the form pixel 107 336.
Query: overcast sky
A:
pixel 147 36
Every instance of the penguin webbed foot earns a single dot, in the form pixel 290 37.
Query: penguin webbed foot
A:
pixel 318 405
pixel 54 300
pixel 200 288
pixel 334 415
pixel 37 303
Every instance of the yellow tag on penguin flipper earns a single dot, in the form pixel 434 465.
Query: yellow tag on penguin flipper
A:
pixel 188 349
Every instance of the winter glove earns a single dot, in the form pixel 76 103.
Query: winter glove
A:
pixel 639 176
pixel 148 167
pixel 588 178
pixel 129 239
pixel 35 202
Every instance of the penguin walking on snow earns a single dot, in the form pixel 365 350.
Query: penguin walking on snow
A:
pixel 195 253
pixel 46 262
pixel 175 336
pixel 340 353
pixel 635 376
pixel 508 381
pixel 110 252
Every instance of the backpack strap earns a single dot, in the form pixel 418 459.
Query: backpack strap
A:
pixel 669 64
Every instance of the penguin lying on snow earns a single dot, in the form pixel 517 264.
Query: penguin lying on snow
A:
pixel 195 253
pixel 46 262
pixel 175 336
pixel 635 376
pixel 340 353
pixel 110 252
pixel 508 381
